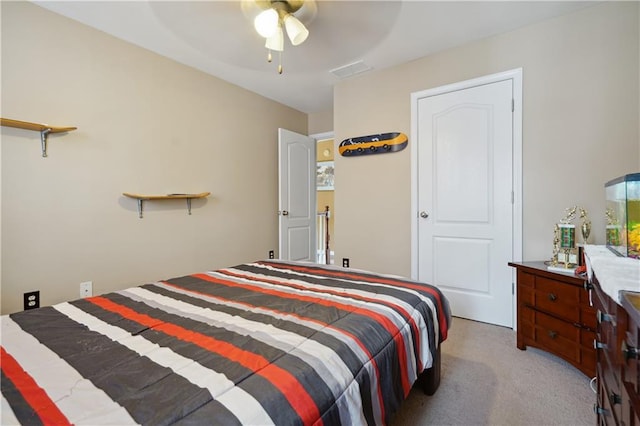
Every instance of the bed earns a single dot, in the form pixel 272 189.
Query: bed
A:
pixel 268 342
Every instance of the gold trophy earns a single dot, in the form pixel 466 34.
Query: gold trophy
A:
pixel 564 239
pixel 585 228
pixel 556 245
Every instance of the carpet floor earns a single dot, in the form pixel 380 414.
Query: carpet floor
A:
pixel 486 380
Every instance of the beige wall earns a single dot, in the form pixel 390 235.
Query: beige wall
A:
pixel 321 122
pixel 580 94
pixel 145 124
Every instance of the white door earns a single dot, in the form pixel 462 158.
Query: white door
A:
pixel 464 145
pixel 297 196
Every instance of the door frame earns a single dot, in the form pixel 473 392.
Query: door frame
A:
pixel 316 137
pixel 516 247
pixel 322 136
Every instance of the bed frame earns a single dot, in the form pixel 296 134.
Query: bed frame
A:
pixel 430 378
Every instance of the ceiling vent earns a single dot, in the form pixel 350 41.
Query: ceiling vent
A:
pixel 351 69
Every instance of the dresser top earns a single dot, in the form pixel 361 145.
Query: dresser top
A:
pixel 540 268
pixel 615 274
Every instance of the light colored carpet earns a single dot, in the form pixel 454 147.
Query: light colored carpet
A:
pixel 486 380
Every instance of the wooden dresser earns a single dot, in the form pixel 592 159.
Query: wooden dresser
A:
pixel 555 315
pixel 618 357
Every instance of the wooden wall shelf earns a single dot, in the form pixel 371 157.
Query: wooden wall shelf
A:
pixel 142 197
pixel 44 129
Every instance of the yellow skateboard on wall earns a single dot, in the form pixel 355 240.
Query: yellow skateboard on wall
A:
pixel 373 144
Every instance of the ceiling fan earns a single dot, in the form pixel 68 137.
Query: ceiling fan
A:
pixel 271 18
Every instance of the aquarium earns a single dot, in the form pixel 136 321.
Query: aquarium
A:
pixel 623 215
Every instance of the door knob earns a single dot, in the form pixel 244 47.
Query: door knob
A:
pixel 424 214
pixel 285 213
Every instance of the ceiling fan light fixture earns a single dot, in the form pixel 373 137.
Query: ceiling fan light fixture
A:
pixel 272 18
pixel 296 30
pixel 276 41
pixel 266 23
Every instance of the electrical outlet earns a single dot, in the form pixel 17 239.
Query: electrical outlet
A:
pixel 345 262
pixel 271 254
pixel 86 289
pixel 31 300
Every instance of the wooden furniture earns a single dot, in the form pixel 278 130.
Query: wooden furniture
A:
pixel 187 197
pixel 630 353
pixel 618 357
pixel 44 129
pixel 554 314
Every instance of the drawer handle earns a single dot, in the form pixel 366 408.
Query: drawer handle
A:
pixel 552 334
pixel 599 410
pixel 552 297
pixel 602 317
pixel 629 352
pixel 615 398
pixel 598 345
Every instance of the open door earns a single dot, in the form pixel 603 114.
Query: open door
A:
pixel 296 196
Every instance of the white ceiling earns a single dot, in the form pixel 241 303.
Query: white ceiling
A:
pixel 217 38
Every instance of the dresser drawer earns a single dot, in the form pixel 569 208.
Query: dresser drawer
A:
pixel 588 361
pixel 556 299
pixel 560 337
pixel 631 370
pixel 631 410
pixel 588 353
pixel 560 300
pixel 630 358
pixel 588 318
pixel 608 414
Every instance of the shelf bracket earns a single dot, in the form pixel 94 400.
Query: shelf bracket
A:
pixel 140 208
pixel 43 140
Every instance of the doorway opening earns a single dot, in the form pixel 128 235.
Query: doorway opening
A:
pixel 325 188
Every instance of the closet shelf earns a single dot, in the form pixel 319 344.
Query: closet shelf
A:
pixel 44 129
pixel 143 197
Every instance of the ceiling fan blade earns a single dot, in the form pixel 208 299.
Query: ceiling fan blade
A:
pixel 307 13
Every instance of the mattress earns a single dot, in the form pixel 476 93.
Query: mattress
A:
pixel 260 343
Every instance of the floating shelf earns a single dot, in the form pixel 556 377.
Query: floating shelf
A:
pixel 141 198
pixel 44 129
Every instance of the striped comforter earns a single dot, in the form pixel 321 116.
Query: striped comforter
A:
pixel 261 343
